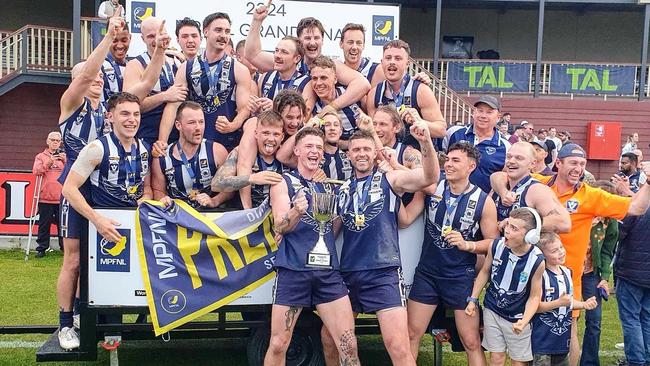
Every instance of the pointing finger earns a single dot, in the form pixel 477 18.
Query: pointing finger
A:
pixel 161 29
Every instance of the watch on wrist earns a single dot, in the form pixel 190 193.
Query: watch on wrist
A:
pixel 472 299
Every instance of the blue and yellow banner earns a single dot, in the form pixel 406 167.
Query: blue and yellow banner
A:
pixel 192 265
pixel 489 76
pixel 593 79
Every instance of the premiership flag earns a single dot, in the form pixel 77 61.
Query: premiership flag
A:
pixel 192 265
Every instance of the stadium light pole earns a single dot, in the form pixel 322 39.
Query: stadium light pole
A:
pixel 538 56
pixel 436 38
pixel 76 31
pixel 644 53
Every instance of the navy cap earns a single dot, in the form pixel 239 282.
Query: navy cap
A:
pixel 570 150
pixel 489 100
pixel 540 144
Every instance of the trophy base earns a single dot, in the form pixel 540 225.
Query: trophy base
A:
pixel 319 260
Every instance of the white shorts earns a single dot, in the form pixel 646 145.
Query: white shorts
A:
pixel 498 336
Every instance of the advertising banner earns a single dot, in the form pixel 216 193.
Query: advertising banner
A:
pixel 489 76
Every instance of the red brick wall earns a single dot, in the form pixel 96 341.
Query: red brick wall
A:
pixel 27 114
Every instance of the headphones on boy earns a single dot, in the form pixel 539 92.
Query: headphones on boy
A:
pixel 532 236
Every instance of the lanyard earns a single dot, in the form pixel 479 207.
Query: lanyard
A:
pixel 131 164
pixel 116 68
pixel 521 183
pixel 451 207
pixel 98 116
pixel 213 77
pixel 363 63
pixel 283 84
pixel 397 99
pixel 188 165
pixel 357 204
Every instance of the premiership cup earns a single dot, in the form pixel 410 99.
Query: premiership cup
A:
pixel 323 208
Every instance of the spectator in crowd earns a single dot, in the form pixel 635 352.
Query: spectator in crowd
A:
pixel 631 143
pixel 552 134
pixel 48 165
pixel 564 136
pixel 505 118
pixel 630 172
pixel 541 152
pixel 638 153
pixel 551 148
pixel 595 276
pixel 517 134
pixel 108 8
pixel 503 129
pixel 529 131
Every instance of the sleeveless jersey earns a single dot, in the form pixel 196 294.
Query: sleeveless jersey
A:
pixel 272 84
pixel 438 257
pixel 636 180
pixel 407 96
pixel 182 178
pixel 400 148
pixel 367 68
pixel 84 126
pixel 150 121
pixel 260 192
pixel 552 329
pixel 113 77
pixel 118 181
pixel 348 115
pixel 375 244
pixel 509 286
pixel 520 190
pixel 302 67
pixel 337 165
pixel 212 85
pixel 296 244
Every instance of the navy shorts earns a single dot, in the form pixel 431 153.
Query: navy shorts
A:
pixel 376 289
pixel 307 288
pixel 432 290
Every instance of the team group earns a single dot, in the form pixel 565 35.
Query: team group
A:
pixel 217 127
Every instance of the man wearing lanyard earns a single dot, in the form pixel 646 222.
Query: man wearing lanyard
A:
pixel 525 191
pixel 212 79
pixel 583 203
pixel 410 97
pixel 353 41
pixel 369 203
pixel 115 63
pixel 484 135
pixel 460 223
pixel 186 171
pixel 298 284
pixel 163 89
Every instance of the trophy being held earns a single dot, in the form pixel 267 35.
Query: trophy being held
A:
pixel 323 209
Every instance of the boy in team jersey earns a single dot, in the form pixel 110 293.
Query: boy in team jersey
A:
pixel 514 268
pixel 552 324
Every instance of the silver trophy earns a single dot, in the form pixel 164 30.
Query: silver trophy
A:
pixel 323 208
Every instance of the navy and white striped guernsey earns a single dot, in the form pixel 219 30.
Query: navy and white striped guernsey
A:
pixel 118 181
pixel 348 115
pixel 509 286
pixel 181 180
pixel 636 180
pixel 302 67
pixel 83 126
pixel 438 257
pixel 375 244
pixel 407 96
pixel 367 68
pixel 150 121
pixel 337 165
pixel 272 84
pixel 213 85
pixel 520 190
pixel 113 76
pixel 552 329
pixel 260 192
pixel 297 243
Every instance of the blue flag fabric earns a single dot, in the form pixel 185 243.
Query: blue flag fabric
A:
pixel 192 265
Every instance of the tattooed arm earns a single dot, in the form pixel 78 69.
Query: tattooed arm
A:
pixel 543 199
pixel 226 179
pixel 412 158
pixel 286 216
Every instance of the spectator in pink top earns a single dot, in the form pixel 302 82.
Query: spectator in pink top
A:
pixel 48 165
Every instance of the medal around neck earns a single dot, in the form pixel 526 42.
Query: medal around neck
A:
pixel 323 208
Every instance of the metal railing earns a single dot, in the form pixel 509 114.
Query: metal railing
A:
pixel 36 48
pixel 452 105
pixel 545 78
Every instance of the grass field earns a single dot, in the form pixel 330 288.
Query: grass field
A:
pixel 28 297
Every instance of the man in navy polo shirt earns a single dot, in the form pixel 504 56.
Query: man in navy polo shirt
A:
pixel 484 135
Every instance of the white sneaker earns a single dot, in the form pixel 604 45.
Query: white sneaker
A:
pixel 75 321
pixel 68 339
pixel 49 250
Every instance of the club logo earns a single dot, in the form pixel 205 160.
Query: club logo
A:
pixel 114 257
pixel 572 205
pixel 173 301
pixel 141 10
pixel 383 29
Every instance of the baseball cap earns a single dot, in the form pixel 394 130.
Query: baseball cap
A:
pixel 489 100
pixel 540 144
pixel 541 130
pixel 570 150
pixel 524 123
pixel 565 133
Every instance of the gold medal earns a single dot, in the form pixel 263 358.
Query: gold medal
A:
pixel 132 189
pixel 401 108
pixel 193 193
pixel 216 100
pixel 359 220
pixel 446 230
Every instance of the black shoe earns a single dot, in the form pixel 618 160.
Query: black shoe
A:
pixel 40 254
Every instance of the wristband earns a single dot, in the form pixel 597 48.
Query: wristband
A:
pixel 472 299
